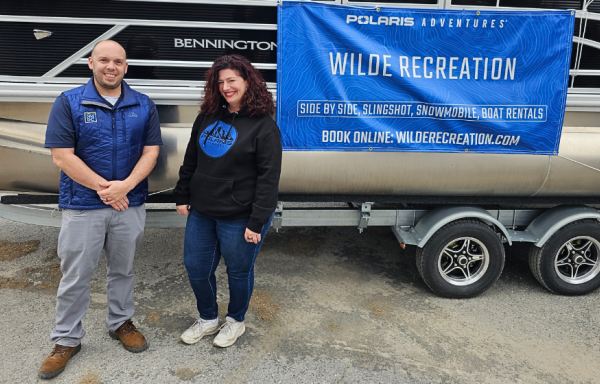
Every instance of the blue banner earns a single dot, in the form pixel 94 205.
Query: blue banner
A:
pixel 390 79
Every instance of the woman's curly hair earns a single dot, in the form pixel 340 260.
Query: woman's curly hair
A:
pixel 257 99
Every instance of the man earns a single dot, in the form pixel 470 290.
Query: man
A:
pixel 105 138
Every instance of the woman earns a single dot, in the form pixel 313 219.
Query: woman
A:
pixel 228 189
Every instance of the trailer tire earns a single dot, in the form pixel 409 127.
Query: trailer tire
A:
pixel 574 273
pixel 462 259
pixel 419 257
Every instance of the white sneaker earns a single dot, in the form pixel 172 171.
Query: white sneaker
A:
pixel 198 330
pixel 229 333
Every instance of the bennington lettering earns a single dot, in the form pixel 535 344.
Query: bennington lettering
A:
pixel 222 44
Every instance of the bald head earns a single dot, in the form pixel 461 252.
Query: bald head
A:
pixel 108 64
pixel 109 45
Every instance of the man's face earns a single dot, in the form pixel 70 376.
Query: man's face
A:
pixel 108 65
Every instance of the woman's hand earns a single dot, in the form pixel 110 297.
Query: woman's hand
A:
pixel 183 209
pixel 252 237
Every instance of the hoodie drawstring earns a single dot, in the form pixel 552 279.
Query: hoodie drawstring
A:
pixel 232 120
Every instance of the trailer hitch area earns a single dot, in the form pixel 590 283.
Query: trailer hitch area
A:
pixel 278 217
pixel 365 215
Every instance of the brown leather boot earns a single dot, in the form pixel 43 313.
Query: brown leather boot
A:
pixel 130 337
pixel 56 362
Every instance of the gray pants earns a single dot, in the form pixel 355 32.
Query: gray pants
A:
pixel 83 235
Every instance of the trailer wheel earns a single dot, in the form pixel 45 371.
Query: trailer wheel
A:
pixel 569 262
pixel 462 259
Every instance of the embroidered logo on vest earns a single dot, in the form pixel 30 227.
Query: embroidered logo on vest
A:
pixel 217 138
pixel 90 117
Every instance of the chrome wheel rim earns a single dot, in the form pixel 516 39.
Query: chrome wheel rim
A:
pixel 463 261
pixel 576 261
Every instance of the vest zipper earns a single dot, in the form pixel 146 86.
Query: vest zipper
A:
pixel 115 147
pixel 124 128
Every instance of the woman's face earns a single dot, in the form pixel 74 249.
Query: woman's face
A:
pixel 232 86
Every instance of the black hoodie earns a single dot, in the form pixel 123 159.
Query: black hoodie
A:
pixel 231 168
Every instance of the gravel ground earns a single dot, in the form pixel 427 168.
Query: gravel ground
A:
pixel 330 306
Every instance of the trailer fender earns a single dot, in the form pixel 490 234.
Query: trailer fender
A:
pixel 439 217
pixel 549 222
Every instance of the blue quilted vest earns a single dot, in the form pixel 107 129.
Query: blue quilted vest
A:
pixel 109 140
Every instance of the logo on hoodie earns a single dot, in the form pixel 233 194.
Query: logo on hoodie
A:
pixel 217 138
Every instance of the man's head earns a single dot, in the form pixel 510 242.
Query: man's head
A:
pixel 108 62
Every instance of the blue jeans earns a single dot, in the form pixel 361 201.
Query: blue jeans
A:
pixel 206 240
